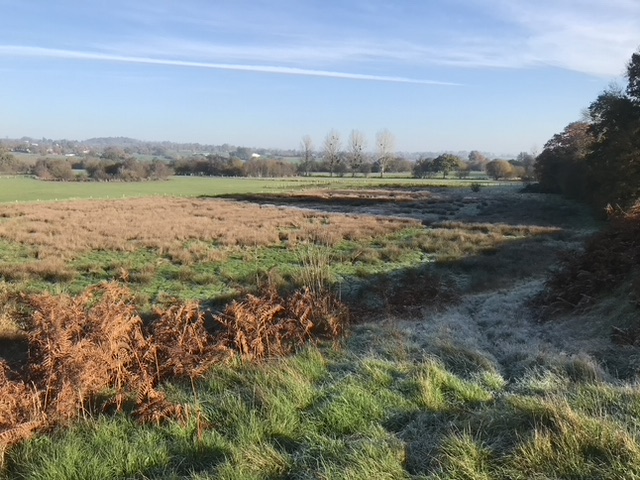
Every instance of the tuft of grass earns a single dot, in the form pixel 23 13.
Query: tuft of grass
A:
pixel 464 457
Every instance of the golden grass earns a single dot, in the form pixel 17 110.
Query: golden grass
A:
pixel 183 229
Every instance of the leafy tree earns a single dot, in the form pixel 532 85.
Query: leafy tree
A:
pixel 599 160
pixel 113 153
pixel 243 153
pixel 463 170
pixel 446 163
pixel 633 77
pixel 341 167
pixel 614 162
pixel 423 168
pixel 159 170
pixel 399 164
pixel 57 169
pixel 220 166
pixel 527 162
pixel 95 169
pixel 366 167
pixel 498 169
pixel 10 164
pixel 132 170
pixel 561 166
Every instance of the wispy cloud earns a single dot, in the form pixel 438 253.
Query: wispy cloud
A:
pixel 28 51
pixel 595 37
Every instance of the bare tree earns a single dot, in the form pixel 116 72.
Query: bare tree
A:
pixel 332 146
pixel 385 143
pixel 307 151
pixel 357 144
pixel 477 161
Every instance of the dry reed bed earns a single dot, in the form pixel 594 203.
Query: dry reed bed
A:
pixel 93 353
pixel 68 229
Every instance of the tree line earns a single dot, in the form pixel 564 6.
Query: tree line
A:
pixel 597 159
pixel 353 157
pixel 521 167
pixel 116 165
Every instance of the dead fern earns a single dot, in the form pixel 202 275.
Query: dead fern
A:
pixel 270 325
pixel 92 353
pixel 181 344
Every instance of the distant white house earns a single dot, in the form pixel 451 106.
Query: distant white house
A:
pixel 255 155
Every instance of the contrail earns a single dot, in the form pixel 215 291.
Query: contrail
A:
pixel 24 51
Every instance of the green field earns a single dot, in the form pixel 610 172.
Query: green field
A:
pixel 24 189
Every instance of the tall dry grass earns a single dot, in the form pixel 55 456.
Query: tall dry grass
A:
pixel 174 227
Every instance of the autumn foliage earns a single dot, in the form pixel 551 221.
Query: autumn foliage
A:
pixel 93 353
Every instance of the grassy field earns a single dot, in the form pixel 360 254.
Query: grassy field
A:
pixel 25 189
pixel 211 250
pixel 377 408
pixel 443 373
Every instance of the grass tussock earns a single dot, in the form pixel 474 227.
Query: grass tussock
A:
pixel 50 270
pixel 93 353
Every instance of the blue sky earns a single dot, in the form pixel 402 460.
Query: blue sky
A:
pixel 494 75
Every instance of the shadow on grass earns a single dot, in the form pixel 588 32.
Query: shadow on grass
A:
pixel 497 204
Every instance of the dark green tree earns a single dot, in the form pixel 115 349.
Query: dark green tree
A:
pixel 561 167
pixel 633 76
pixel 446 163
pixel 614 162
pixel 423 168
